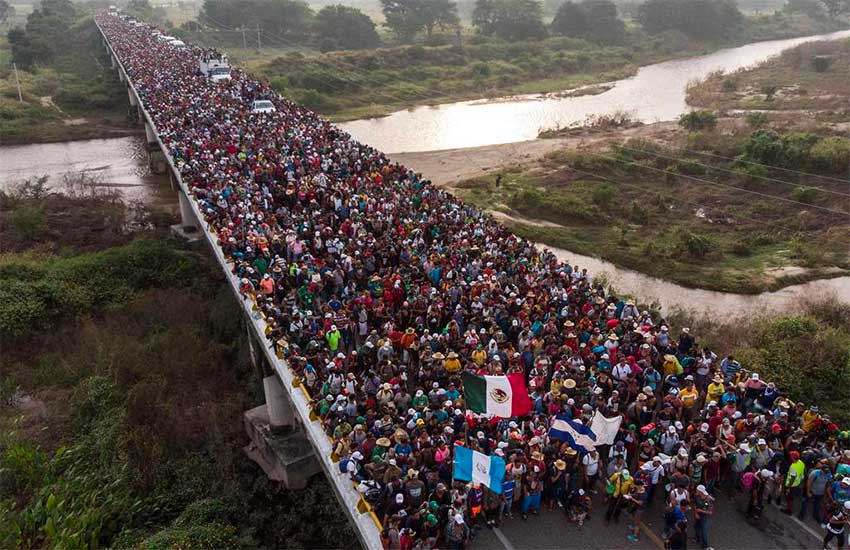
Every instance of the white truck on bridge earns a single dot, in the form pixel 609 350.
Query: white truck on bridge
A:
pixel 216 69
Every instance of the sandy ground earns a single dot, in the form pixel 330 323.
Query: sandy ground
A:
pixel 448 166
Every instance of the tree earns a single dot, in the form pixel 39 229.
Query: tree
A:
pixel 140 8
pixel 406 18
pixel 702 19
pixel 287 19
pixel 437 13
pixel 812 8
pixel 45 35
pixel 344 28
pixel 836 8
pixel 594 20
pixel 509 19
pixel 6 11
pixel 570 20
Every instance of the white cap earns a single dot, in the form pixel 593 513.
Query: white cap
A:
pixel 458 518
pixel 762 442
pixel 399 498
pixel 702 489
pixel 755 376
pixel 357 455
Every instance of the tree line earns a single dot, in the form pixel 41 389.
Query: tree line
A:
pixel 343 27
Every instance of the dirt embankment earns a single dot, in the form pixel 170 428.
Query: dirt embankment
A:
pixel 448 166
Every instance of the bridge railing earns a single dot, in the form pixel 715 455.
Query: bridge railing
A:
pixel 362 516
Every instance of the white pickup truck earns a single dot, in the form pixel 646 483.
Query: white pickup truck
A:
pixel 216 69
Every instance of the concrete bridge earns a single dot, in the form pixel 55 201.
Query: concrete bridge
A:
pixel 289 445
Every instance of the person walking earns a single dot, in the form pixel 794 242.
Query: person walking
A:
pixel 703 510
pixel 794 481
pixel 836 527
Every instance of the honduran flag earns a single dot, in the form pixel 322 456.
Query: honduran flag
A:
pixel 579 436
pixel 473 466
pixel 503 396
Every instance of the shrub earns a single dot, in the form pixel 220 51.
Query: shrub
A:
pixel 29 222
pixel 694 245
pixel 729 85
pixel 821 62
pixel 804 194
pixel 805 358
pixel 757 119
pixel 831 155
pixel 698 120
pixel 602 194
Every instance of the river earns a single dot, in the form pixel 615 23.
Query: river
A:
pixel 655 93
pixel 119 164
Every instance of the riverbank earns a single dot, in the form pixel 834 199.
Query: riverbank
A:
pixel 635 198
pixel 72 96
pixel 347 86
pixel 810 77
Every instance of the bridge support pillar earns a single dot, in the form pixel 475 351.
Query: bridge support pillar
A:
pixel 121 75
pixel 112 62
pixel 277 403
pixel 150 135
pixel 132 95
pixel 156 161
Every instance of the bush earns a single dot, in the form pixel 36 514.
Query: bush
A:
pixel 805 358
pixel 698 120
pixel 29 222
pixel 831 155
pixel 694 245
pixel 757 119
pixel 34 292
pixel 804 194
pixel 602 195
pixel 821 62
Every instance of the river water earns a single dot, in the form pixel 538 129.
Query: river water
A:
pixel 655 93
pixel 119 164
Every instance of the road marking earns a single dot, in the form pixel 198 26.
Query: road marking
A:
pixel 651 534
pixel 806 528
pixel 503 539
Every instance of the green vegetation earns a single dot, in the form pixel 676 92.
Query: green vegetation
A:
pixel 698 120
pixel 120 403
pixel 806 354
pixel 68 92
pixel 698 220
pixel 812 76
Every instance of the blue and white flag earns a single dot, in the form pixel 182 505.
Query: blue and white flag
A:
pixel 579 436
pixel 474 466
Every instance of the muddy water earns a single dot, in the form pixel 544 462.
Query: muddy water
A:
pixel 119 164
pixel 670 295
pixel 655 93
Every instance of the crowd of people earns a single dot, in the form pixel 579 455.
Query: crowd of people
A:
pixel 380 289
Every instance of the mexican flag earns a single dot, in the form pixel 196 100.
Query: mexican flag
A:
pixel 503 396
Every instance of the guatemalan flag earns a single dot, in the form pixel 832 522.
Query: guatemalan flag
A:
pixel 579 436
pixel 474 466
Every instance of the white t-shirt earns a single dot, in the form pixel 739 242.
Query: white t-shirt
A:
pixel 592 464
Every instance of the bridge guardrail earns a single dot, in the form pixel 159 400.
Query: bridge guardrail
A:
pixel 362 516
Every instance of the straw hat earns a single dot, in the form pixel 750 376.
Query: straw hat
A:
pixel 569 383
pixel 537 455
pixel 570 451
pixel 438 356
pixel 383 442
pixel 560 464
pixel 452 355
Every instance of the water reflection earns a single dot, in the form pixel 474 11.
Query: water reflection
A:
pixel 656 92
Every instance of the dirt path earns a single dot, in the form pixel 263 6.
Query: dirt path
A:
pixel 451 165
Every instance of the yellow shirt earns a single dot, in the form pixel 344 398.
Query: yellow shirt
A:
pixel 479 356
pixel 452 365
pixel 621 486
pixel 689 396
pixel 809 419
pixel 715 391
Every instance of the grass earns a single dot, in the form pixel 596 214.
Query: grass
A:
pixel 790 81
pixel 641 211
pixel 75 97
